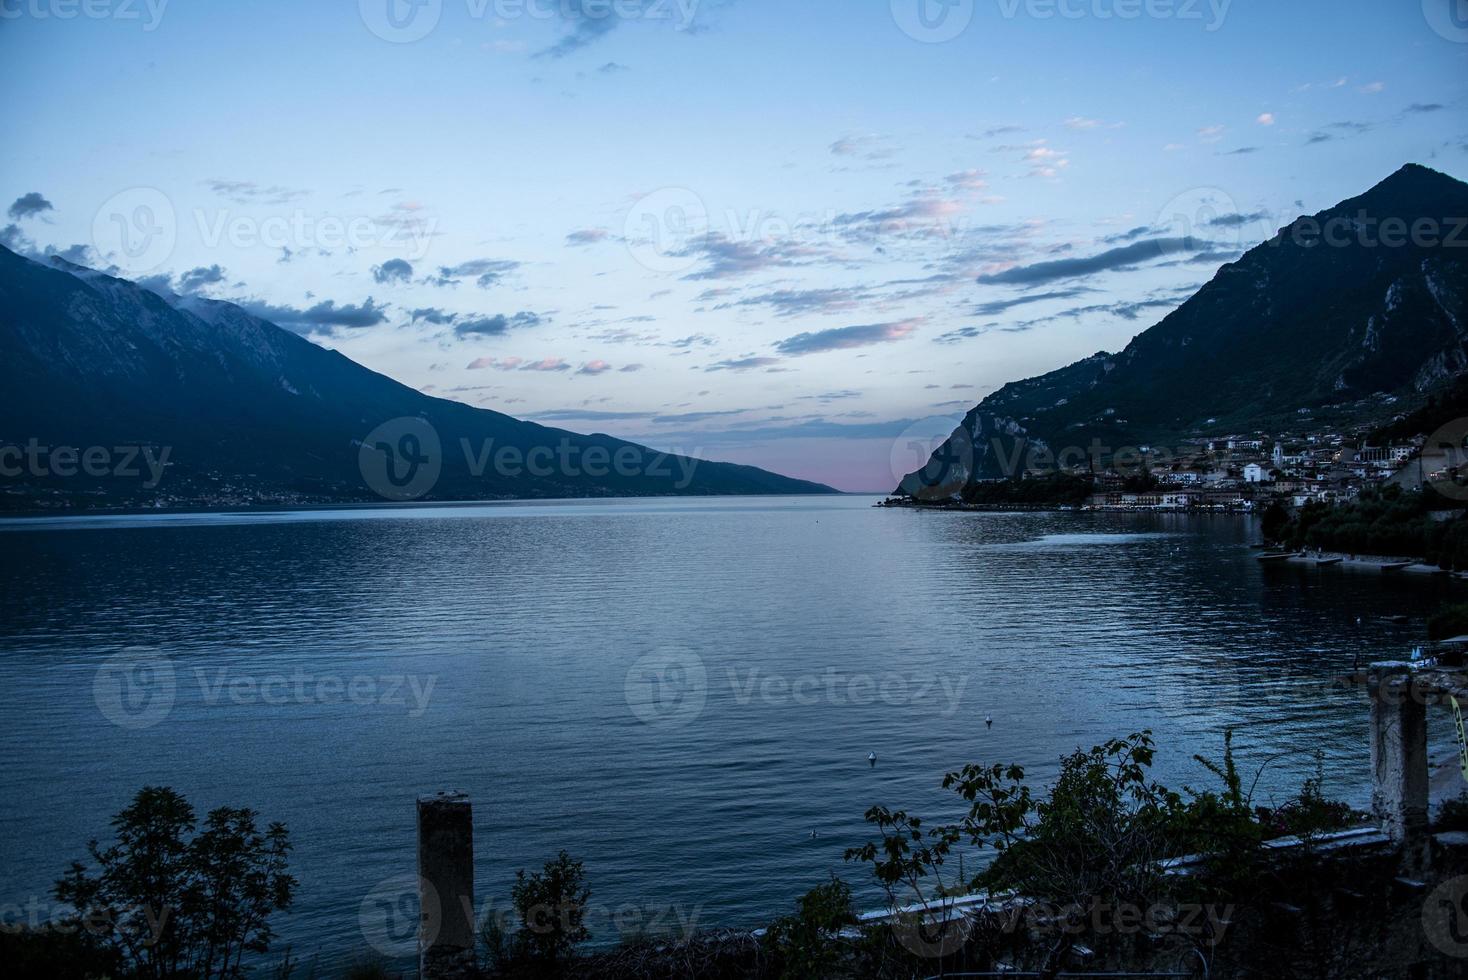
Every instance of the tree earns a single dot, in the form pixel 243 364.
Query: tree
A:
pixel 172 905
pixel 551 907
pixel 808 943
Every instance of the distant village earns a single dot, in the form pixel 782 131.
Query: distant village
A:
pixel 1241 473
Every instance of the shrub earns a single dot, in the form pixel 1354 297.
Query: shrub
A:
pixel 168 904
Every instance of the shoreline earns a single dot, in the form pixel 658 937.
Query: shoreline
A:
pixel 1381 564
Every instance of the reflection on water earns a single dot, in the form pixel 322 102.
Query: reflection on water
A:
pixel 679 692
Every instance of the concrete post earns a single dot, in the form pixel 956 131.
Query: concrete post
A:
pixel 445 886
pixel 1399 769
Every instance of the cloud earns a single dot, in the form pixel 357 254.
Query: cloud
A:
pixel 1141 251
pixel 967 180
pixel 587 27
pixel 594 367
pixel 1132 235
pixel 325 315
pixel 249 192
pixel 28 206
pixel 587 236
pixel 1046 161
pixel 1237 220
pixel 727 258
pixel 743 364
pixel 14 239
pixel 846 338
pixel 486 272
pixel 546 364
pixel 495 326
pixel 691 341
pixel 1242 151
pixel 613 68
pixel 795 302
pixel 1080 122
pixel 870 147
pixel 1211 134
pixel 925 215
pixel 629 368
pixel 1000 306
pixel 995 131
pixel 1421 107
pixel 393 271
pixel 432 314
pixel 1372 89
pixel 196 279
pixel 1265 119
pixel 479 364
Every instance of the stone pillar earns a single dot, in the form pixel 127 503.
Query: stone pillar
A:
pixel 445 886
pixel 1399 768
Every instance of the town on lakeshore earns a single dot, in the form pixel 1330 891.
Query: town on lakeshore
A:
pixel 1235 473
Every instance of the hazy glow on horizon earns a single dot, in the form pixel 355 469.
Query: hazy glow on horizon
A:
pixel 797 238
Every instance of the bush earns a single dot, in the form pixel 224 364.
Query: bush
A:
pixel 171 905
pixel 551 908
pixel 808 943
pixel 1448 622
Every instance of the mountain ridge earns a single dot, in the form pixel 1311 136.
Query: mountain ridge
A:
pixel 254 413
pixel 1301 321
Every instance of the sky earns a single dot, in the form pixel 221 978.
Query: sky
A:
pixel 807 236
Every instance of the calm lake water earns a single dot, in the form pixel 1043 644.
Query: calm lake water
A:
pixel 677 692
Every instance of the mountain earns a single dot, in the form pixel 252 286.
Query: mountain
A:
pixel 1338 315
pixel 212 405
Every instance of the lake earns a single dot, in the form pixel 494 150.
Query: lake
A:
pixel 681 693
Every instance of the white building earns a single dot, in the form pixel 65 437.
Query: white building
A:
pixel 1254 473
